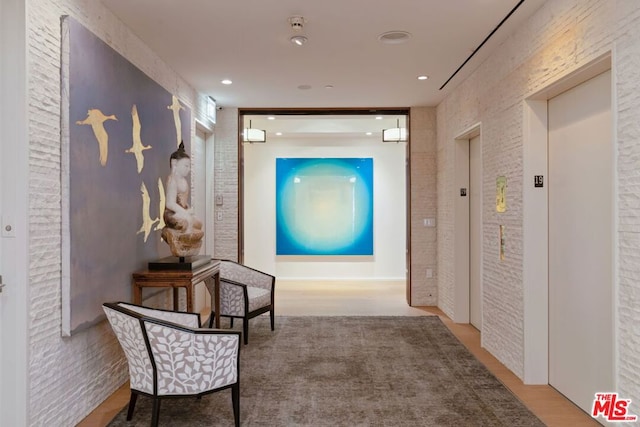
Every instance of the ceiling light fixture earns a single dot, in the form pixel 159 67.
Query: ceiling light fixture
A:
pixel 226 82
pixel 423 77
pixel 396 134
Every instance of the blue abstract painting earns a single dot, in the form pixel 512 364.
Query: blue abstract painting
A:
pixel 324 206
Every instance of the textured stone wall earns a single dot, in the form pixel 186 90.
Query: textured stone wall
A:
pixel 68 377
pixel 560 38
pixel 423 206
pixel 226 184
pixel 627 76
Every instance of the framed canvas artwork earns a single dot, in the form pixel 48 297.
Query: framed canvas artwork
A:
pixel 324 206
pixel 119 128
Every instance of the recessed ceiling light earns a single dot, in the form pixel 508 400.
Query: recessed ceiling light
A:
pixel 369 133
pixel 271 118
pixel 304 87
pixel 328 86
pixel 226 82
pixel 423 77
pixel 279 133
pixel 378 117
pixel 394 37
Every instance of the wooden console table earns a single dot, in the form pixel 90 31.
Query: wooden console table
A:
pixel 177 279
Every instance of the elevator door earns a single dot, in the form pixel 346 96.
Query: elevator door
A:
pixel 580 241
pixel 475 232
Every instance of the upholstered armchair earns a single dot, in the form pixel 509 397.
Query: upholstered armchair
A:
pixel 170 356
pixel 244 293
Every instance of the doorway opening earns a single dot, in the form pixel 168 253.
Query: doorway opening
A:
pixel 325 134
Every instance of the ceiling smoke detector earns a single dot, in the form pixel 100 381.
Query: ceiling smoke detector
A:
pixel 296 22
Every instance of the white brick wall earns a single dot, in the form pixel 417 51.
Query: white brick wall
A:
pixel 423 205
pixel 226 184
pixel 627 75
pixel 559 38
pixel 68 377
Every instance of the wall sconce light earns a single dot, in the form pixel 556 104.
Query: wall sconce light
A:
pixel 396 134
pixel 254 135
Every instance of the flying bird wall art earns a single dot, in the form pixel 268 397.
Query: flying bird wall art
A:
pixel 137 147
pixel 96 118
pixel 119 130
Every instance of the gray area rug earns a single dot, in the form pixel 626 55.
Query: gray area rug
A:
pixel 351 371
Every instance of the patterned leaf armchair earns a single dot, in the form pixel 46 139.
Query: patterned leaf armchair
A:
pixel 170 356
pixel 244 293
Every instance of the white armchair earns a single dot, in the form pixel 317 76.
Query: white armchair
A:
pixel 244 293
pixel 170 356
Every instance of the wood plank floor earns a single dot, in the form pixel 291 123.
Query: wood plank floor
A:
pixel 340 298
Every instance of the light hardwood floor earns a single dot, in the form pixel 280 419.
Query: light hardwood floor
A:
pixel 341 298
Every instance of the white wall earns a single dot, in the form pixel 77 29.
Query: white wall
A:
pixel 14 251
pixel 388 261
pixel 559 39
pixel 69 377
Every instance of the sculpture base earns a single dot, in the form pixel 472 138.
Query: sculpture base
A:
pixel 187 263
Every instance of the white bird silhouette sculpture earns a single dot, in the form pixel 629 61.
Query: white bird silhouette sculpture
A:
pixel 137 147
pixel 147 222
pixel 176 107
pixel 161 224
pixel 96 119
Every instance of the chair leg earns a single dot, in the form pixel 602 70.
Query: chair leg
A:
pixel 211 320
pixel 155 416
pixel 132 405
pixel 235 398
pixel 273 322
pixel 245 330
pixel 231 322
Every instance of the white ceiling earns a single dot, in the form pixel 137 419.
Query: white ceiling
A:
pixel 247 41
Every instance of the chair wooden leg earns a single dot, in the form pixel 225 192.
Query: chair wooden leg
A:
pixel 211 320
pixel 155 416
pixel 132 405
pixel 231 322
pixel 235 398
pixel 245 330
pixel 273 322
